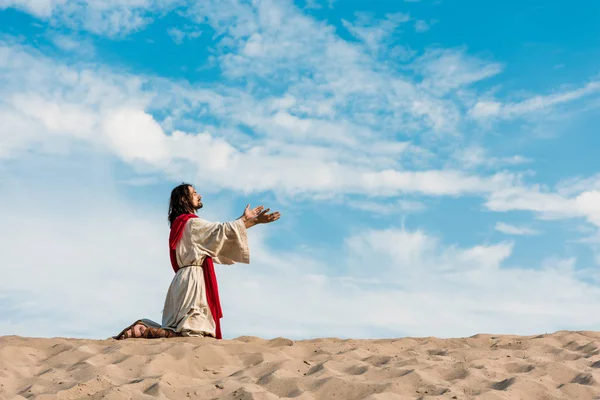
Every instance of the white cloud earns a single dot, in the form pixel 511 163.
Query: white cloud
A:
pixel 592 239
pixel 87 259
pixel 588 203
pixel 306 59
pixel 520 198
pixel 476 157
pixel 446 70
pixel 180 35
pixel 541 102
pixel 411 255
pixel 401 53
pixel 376 33
pixel 111 113
pixel 546 204
pixel 313 4
pixel 433 182
pixel 394 279
pixel 575 185
pixel 422 26
pixel 53 106
pixel 106 17
pixel 515 230
pixel 39 8
pixel 487 109
pixel 56 107
pixel 334 133
pixel 73 44
pixel 135 135
pixel 388 207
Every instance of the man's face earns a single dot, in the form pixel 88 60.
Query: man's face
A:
pixel 196 199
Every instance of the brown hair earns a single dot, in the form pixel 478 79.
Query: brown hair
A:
pixel 181 202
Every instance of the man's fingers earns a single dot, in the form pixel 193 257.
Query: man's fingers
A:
pixel 275 216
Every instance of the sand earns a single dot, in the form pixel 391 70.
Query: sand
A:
pixel 562 365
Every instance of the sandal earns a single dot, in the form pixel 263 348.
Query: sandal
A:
pixel 149 332
pixel 157 333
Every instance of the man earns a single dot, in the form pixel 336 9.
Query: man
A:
pixel 192 306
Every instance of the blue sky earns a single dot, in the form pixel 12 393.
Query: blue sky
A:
pixel 435 163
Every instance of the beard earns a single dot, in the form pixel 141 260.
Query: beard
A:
pixel 200 205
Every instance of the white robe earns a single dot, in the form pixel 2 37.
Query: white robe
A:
pixel 186 308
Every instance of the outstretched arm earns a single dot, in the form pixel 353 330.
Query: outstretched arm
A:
pixel 227 242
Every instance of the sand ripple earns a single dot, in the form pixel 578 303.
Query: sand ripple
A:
pixel 563 365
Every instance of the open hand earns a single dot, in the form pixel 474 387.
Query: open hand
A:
pixel 264 217
pixel 252 213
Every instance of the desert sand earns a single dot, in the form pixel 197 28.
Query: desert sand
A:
pixel 562 365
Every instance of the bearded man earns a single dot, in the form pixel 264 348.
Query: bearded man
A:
pixel 192 306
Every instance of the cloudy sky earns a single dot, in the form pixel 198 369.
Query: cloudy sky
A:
pixel 435 162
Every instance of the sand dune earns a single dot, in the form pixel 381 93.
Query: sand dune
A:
pixel 563 365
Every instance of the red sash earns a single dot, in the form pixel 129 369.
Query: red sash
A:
pixel 210 279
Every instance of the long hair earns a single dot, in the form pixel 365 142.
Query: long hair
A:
pixel 181 202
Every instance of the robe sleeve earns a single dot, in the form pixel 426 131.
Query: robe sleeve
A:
pixel 225 242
